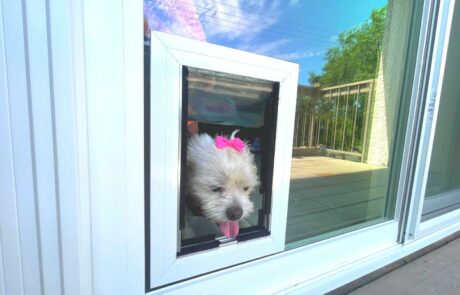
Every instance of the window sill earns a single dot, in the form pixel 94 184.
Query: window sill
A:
pixel 313 269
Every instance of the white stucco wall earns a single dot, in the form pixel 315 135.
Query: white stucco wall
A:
pixel 388 83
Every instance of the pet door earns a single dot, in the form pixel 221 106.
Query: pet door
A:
pixel 219 126
pixel 217 103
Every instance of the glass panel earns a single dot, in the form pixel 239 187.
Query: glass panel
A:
pixel 443 184
pixel 342 150
pixel 218 98
pixel 341 184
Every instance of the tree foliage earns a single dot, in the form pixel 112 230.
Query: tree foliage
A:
pixel 314 79
pixel 357 55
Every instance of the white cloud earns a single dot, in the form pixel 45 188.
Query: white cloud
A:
pixel 233 19
pixel 273 49
pixel 268 48
pixel 298 54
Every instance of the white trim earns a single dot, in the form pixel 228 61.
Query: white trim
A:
pixel 361 267
pixel 82 172
pixel 441 201
pixel 423 56
pixel 106 120
pixel 439 222
pixel 169 54
pixel 133 59
pixel 403 207
pixel 292 267
pixel 11 277
pixel 15 278
pixel 44 161
pixel 229 66
pixel 63 110
pixel 212 50
pixel 444 21
pixel 107 65
pixel 37 72
pixel 22 149
pixel 297 271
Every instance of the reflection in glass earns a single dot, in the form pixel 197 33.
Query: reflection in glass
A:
pixel 340 182
pixel 359 127
pixel 348 102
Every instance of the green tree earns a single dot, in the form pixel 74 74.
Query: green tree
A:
pixel 307 104
pixel 314 79
pixel 357 55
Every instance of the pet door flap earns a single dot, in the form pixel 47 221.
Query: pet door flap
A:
pixel 221 98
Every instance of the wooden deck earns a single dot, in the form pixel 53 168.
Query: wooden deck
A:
pixel 329 194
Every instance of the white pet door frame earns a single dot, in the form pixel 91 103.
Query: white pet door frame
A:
pixel 169 54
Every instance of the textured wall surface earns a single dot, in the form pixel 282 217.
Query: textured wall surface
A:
pixel 388 83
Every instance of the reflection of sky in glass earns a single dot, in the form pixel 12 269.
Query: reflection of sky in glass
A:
pixel 295 30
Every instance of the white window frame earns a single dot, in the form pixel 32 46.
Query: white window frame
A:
pixel 169 54
pixel 415 228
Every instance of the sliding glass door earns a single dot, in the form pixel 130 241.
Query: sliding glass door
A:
pixel 347 125
pixel 443 185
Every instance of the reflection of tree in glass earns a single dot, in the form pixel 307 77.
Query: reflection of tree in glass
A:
pixel 339 121
pixel 326 114
pixel 359 129
pixel 305 109
pixel 349 123
pixel 356 57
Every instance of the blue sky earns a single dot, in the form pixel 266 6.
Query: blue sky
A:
pixel 294 30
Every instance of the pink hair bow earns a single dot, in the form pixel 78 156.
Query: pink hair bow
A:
pixel 236 143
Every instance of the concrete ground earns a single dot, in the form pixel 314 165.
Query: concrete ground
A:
pixel 437 272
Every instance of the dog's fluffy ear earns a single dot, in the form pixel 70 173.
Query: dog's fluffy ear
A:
pixel 200 145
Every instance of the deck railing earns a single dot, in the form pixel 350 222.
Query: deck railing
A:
pixel 337 120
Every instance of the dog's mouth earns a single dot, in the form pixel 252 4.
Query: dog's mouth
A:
pixel 230 229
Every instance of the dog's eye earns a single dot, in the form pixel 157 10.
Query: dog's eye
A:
pixel 218 189
pixel 246 188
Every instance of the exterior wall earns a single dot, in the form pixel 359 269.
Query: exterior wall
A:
pixel 388 84
pixel 378 137
pixel 38 231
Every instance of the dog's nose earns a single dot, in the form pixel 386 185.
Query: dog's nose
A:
pixel 234 213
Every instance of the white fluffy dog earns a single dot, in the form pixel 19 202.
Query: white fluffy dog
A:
pixel 221 176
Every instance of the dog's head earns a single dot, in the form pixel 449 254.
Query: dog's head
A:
pixel 220 180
